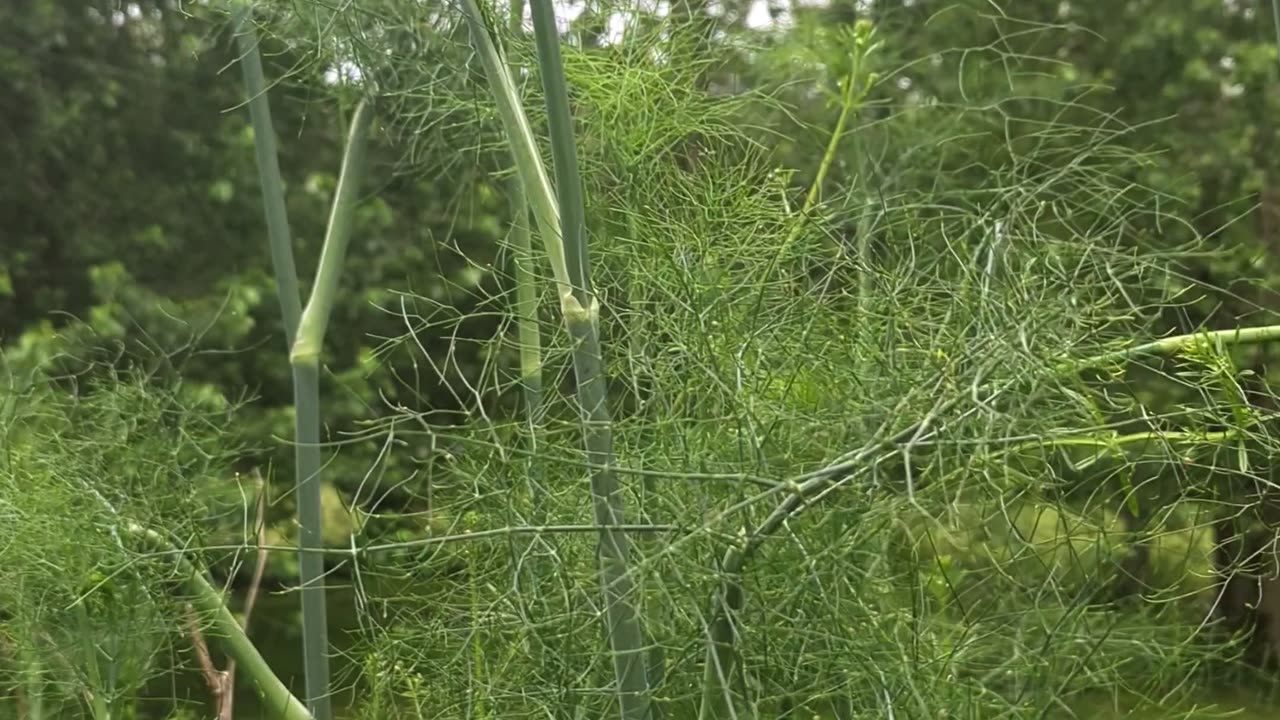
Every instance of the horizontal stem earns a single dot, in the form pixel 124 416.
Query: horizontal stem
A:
pixel 1115 441
pixel 468 536
pixel 1172 345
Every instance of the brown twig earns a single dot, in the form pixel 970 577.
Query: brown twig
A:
pixel 222 683
pixel 218 681
pixel 251 595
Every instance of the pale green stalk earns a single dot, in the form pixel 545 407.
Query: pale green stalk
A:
pixel 528 160
pixel 276 700
pixel 33 687
pixel 305 382
pixel 522 260
pixel 305 359
pixel 529 335
pixel 315 317
pixel 556 211
pixel 856 88
pixel 304 332
pixel 582 316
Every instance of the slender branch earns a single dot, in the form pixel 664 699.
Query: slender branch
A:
pixel 721 659
pixel 260 569
pixel 468 536
pixel 849 103
pixel 315 316
pixel 217 680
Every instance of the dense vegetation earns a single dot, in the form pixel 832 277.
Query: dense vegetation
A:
pixel 893 358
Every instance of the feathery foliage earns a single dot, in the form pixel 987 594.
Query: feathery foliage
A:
pixel 886 372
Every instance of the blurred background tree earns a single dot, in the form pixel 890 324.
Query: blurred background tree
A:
pixel 133 224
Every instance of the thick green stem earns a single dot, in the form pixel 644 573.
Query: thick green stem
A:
pixel 264 143
pixel 277 701
pixel 33 686
pixel 526 279
pixel 306 398
pixel 623 623
pixel 315 627
pixel 568 186
pixel 315 644
pixel 581 311
pixel 528 160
